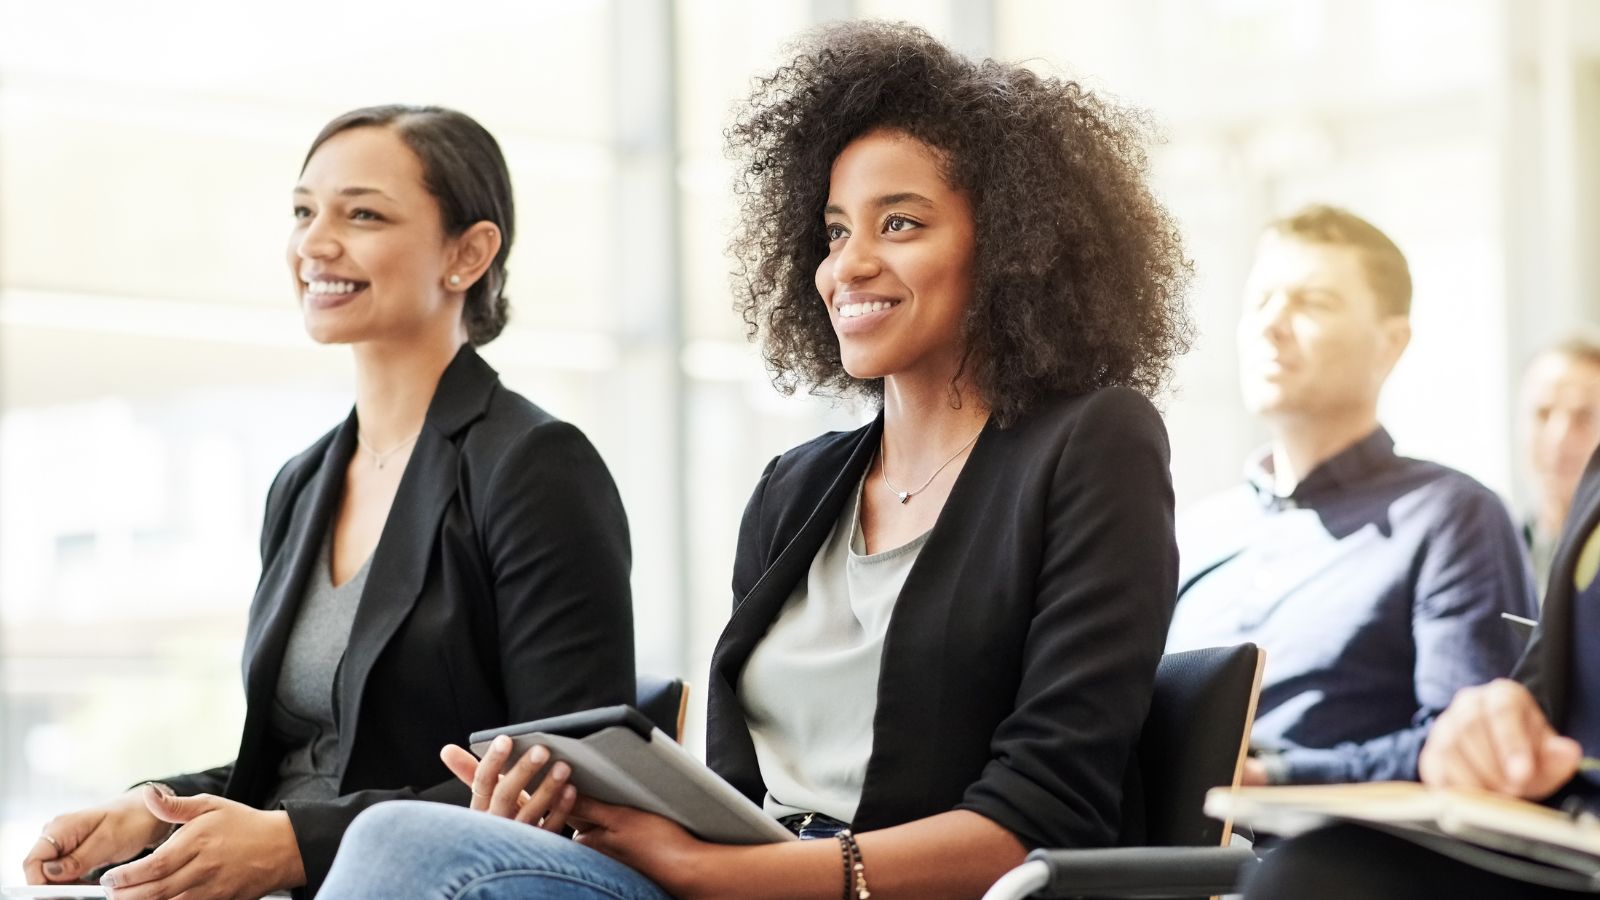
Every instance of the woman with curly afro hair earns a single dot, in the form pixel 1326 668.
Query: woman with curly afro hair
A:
pixel 947 622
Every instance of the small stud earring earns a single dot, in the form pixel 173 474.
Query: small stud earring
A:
pixel 455 280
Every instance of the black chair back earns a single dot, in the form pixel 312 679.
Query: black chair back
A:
pixel 664 702
pixel 1193 740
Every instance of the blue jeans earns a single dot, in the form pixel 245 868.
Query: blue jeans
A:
pixel 434 851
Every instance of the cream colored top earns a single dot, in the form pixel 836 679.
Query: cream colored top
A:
pixel 810 687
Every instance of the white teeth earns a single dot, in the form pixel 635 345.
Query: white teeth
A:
pixel 851 310
pixel 330 287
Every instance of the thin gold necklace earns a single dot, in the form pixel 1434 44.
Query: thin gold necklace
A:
pixel 905 496
pixel 381 458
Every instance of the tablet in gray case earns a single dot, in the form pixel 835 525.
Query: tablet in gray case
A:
pixel 618 757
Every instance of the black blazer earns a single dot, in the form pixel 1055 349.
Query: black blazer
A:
pixel 1022 651
pixel 1546 666
pixel 498 593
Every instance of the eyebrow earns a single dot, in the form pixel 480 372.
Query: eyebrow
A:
pixel 349 192
pixel 886 200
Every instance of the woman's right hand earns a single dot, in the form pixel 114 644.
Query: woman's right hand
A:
pixel 90 838
pixel 1495 737
pixel 528 791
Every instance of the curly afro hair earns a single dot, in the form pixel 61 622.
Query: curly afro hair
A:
pixel 1079 273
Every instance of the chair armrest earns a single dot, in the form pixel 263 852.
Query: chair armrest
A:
pixel 1127 872
pixel 1020 882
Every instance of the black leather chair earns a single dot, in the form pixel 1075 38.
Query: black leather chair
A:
pixel 1195 738
pixel 664 702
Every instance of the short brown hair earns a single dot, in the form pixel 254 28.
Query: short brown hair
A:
pixel 1386 268
pixel 1582 346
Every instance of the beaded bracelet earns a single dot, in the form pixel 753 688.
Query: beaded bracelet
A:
pixel 855 871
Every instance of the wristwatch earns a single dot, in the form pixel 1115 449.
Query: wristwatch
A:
pixel 1273 763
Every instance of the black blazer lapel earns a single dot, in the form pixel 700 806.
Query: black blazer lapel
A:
pixel 283 586
pixel 284 583
pixel 729 748
pixel 907 698
pixel 758 608
pixel 406 546
pixel 399 565
pixel 1546 666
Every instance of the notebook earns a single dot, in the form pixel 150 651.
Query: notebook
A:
pixel 1450 821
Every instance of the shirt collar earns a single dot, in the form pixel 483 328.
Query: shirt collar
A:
pixel 1344 469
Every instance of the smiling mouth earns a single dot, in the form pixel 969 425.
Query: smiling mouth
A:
pixel 325 288
pixel 853 310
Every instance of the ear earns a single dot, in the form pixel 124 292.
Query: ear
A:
pixel 1395 334
pixel 472 252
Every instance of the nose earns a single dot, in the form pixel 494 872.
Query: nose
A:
pixel 1271 317
pixel 856 260
pixel 1559 428
pixel 316 239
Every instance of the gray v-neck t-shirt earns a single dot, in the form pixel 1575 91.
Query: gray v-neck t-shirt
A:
pixel 303 706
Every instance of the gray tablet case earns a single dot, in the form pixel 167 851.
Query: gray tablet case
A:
pixel 618 757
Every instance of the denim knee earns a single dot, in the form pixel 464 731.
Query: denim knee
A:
pixel 431 850
pixel 377 825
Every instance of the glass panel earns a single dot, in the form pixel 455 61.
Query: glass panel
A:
pixel 561 266
pixel 722 45
pixel 154 372
pixel 538 68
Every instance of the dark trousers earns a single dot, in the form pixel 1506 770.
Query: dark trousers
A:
pixel 1349 862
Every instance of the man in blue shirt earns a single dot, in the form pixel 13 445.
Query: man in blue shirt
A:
pixel 1533 738
pixel 1374 582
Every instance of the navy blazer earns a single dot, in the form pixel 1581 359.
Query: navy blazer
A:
pixel 498 592
pixel 1546 666
pixel 1022 651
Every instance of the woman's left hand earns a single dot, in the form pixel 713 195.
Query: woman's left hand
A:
pixel 656 847
pixel 224 850
pixel 529 791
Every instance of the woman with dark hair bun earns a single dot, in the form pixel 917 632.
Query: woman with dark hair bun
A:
pixel 946 623
pixel 449 558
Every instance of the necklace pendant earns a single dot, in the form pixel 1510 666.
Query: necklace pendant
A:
pixel 904 496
